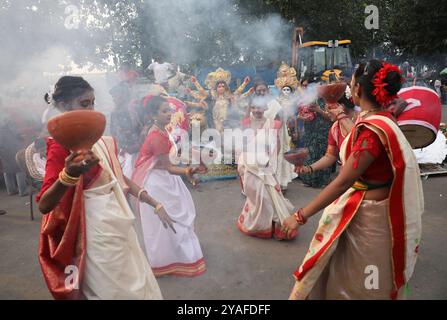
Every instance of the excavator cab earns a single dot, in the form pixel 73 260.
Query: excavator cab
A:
pixel 321 60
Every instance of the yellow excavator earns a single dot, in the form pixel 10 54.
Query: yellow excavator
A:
pixel 320 60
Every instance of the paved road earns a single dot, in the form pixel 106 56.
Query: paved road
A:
pixel 239 267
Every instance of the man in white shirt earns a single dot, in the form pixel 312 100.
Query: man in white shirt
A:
pixel 162 72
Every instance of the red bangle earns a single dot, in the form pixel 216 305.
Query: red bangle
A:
pixel 299 217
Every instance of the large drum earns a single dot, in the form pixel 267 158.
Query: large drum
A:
pixel 421 118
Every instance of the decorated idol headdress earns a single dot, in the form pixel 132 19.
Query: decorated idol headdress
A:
pixel 286 77
pixel 214 77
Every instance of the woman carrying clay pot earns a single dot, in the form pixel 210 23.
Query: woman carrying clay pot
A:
pixel 88 246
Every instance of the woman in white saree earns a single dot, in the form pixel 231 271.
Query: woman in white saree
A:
pixel 265 207
pixel 88 246
pixel 169 253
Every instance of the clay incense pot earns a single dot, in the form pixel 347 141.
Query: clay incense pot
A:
pixel 297 156
pixel 332 92
pixel 77 130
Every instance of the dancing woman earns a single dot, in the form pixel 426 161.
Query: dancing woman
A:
pixel 87 231
pixel 287 83
pixel 372 219
pixel 168 253
pixel 344 117
pixel 265 208
pixel 317 124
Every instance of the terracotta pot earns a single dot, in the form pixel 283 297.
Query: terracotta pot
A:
pixel 297 156
pixel 77 130
pixel 332 92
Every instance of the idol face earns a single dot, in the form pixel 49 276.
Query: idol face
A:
pixel 286 91
pixel 221 88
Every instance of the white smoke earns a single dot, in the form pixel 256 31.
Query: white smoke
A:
pixel 216 24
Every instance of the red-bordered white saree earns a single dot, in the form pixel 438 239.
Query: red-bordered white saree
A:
pixel 404 208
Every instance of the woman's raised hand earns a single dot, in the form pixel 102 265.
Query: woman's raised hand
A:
pixel 336 111
pixel 80 162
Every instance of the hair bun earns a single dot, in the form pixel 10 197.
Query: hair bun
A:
pixel 394 82
pixel 387 83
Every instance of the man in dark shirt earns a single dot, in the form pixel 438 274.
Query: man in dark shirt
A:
pixel 124 125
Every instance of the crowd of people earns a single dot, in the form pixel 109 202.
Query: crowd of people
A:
pixel 124 215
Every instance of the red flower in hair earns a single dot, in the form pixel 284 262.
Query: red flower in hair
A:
pixel 381 94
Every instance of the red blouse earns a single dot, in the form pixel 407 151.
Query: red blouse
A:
pixel 56 155
pixel 367 140
pixel 156 143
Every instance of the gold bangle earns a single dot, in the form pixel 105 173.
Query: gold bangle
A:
pixel 158 207
pixel 70 177
pixel 66 179
pixel 65 183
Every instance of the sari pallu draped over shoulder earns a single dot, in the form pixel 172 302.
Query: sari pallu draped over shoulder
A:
pixel 405 207
pixel 62 242
pixel 145 162
pixel 169 253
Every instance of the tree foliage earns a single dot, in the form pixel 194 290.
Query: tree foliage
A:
pixel 136 31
